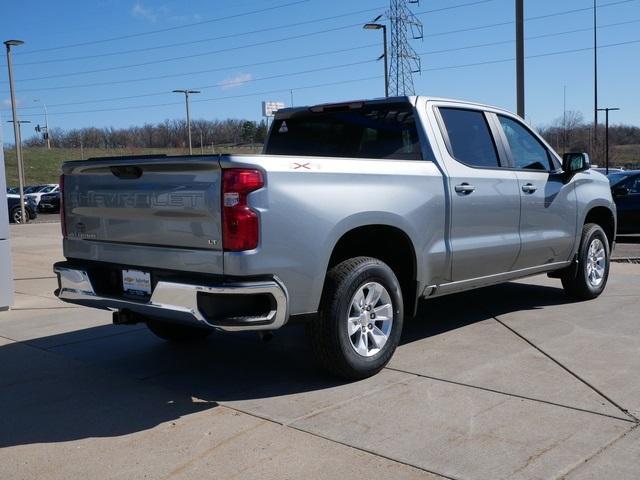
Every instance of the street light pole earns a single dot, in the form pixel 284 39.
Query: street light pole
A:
pixel 606 135
pixel 46 122
pixel 520 58
pixel 16 124
pixel 186 101
pixel 595 79
pixel 383 27
pixel 20 122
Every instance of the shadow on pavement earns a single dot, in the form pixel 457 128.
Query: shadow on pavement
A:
pixel 92 384
pixel 631 239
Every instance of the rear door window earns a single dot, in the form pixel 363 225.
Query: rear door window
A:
pixel 380 131
pixel 470 138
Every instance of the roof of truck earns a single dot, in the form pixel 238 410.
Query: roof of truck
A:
pixel 398 99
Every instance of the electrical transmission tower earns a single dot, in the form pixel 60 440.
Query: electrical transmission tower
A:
pixel 404 59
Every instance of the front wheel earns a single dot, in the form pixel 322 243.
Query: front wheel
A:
pixel 16 215
pixel 360 320
pixel 589 278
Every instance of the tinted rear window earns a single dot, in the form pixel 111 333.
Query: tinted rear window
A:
pixel 386 131
pixel 470 137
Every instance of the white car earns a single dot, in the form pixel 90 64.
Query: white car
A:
pixel 35 192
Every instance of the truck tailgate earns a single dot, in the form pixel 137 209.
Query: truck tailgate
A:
pixel 150 201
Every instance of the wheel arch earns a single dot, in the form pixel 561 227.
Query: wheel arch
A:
pixel 605 218
pixel 389 244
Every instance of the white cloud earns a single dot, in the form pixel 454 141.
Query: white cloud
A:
pixel 146 13
pixel 235 81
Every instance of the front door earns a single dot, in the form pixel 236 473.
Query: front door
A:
pixel 548 202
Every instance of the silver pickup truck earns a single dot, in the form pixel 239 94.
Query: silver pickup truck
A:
pixel 353 213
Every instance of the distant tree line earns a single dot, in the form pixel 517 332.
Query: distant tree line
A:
pixel 167 134
pixel 570 133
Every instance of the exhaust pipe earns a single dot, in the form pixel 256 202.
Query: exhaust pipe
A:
pixel 265 336
pixel 126 317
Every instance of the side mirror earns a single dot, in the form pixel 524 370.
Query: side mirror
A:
pixel 620 191
pixel 575 162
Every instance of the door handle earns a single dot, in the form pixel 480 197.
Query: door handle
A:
pixel 464 188
pixel 529 188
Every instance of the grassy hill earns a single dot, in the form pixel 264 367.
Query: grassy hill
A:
pixel 43 166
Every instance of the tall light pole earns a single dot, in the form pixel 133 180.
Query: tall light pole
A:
pixel 595 80
pixel 20 122
pixel 520 57
pixel 186 101
pixel 46 122
pixel 606 137
pixel 16 124
pixel 383 27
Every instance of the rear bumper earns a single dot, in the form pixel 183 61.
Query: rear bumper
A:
pixel 179 302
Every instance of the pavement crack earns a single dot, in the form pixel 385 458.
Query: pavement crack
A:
pixel 514 395
pixel 571 372
pixel 601 450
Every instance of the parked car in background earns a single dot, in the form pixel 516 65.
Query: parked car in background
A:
pixel 12 190
pixel 625 188
pixel 13 206
pixel 604 170
pixel 39 190
pixel 50 203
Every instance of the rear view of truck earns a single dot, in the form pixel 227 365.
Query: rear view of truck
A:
pixel 146 236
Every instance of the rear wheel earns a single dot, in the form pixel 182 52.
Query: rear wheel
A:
pixel 589 278
pixel 360 318
pixel 177 333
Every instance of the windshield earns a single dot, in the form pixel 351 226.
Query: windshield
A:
pixel 616 178
pixel 386 130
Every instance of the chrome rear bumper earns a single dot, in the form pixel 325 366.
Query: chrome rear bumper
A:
pixel 178 301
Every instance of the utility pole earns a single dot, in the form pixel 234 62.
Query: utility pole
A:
pixel 606 135
pixel 564 120
pixel 520 57
pixel 594 147
pixel 380 26
pixel 16 124
pixel 186 101
pixel 201 145
pixel 46 123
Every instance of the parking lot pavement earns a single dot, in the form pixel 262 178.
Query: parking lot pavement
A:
pixel 512 381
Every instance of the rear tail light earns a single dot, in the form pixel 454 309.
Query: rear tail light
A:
pixel 240 224
pixel 63 222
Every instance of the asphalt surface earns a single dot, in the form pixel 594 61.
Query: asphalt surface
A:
pixel 512 381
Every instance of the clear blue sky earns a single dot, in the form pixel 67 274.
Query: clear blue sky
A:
pixel 213 45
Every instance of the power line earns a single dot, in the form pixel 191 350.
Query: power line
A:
pixel 279 60
pixel 449 67
pixel 203 40
pixel 262 30
pixel 210 70
pixel 317 32
pixel 228 97
pixel 167 29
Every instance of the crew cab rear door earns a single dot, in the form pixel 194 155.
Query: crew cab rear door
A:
pixel 485 200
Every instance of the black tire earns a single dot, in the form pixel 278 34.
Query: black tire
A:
pixel 576 281
pixel 177 333
pixel 328 333
pixel 16 216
